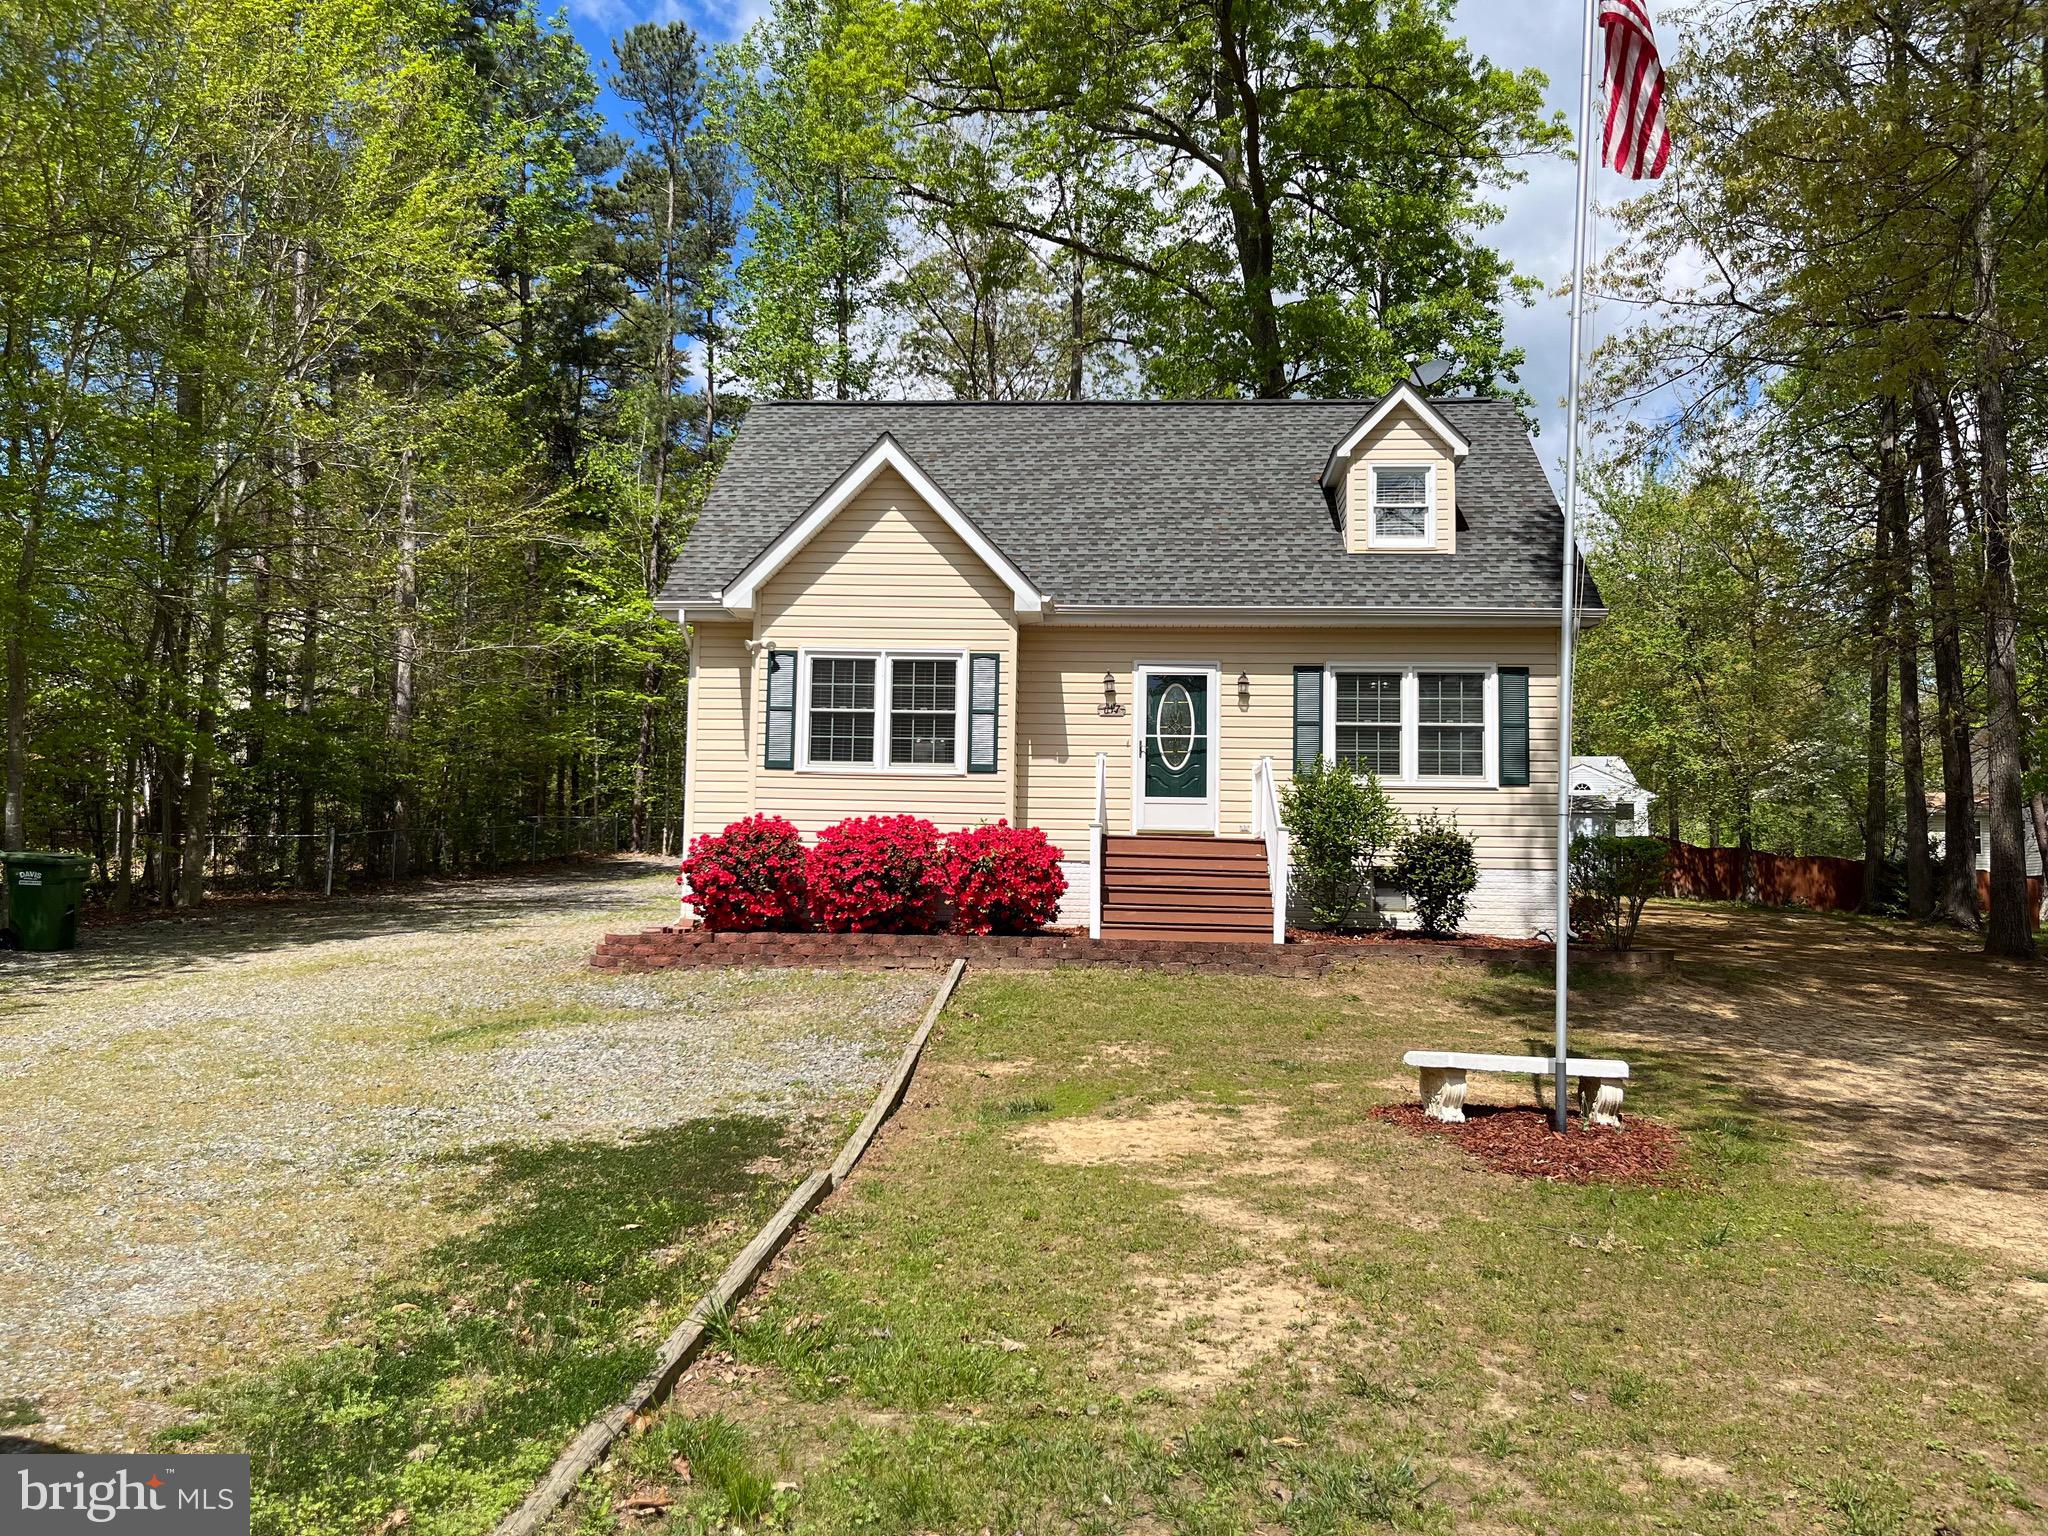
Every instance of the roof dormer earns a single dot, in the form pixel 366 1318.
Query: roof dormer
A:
pixel 1393 479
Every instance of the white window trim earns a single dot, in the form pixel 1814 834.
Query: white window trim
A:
pixel 1411 719
pixel 882 657
pixel 1374 539
pixel 1402 394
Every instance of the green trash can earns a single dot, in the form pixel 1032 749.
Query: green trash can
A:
pixel 44 891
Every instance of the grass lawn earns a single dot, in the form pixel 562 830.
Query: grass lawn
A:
pixel 1135 1258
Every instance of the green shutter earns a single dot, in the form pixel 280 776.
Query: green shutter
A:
pixel 984 700
pixel 780 748
pixel 1514 726
pixel 1308 715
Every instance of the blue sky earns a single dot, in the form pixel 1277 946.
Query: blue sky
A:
pixel 1536 233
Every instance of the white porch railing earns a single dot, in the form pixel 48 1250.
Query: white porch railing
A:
pixel 1095 832
pixel 1269 829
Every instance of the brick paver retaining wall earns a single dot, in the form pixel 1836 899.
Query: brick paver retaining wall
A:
pixel 689 948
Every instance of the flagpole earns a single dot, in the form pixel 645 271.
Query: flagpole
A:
pixel 1570 569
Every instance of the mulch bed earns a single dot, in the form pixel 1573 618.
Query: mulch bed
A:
pixel 1519 1141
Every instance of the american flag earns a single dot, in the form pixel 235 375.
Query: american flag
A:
pixel 1636 143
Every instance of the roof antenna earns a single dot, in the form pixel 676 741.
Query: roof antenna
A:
pixel 1425 373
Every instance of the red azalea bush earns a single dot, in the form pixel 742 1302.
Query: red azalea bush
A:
pixel 1003 879
pixel 878 874
pixel 749 876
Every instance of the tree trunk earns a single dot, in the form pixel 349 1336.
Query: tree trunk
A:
pixel 842 296
pixel 1077 324
pixel 1899 578
pixel 404 661
pixel 1745 834
pixel 13 824
pixel 14 808
pixel 1877 740
pixel 2006 930
pixel 124 836
pixel 1251 203
pixel 643 750
pixel 710 384
pixel 206 714
pixel 181 864
pixel 1956 900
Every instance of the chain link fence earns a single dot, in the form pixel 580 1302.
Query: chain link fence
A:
pixel 335 857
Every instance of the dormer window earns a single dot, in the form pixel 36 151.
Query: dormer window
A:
pixel 1402 511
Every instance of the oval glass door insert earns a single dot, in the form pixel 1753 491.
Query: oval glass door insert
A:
pixel 1176 727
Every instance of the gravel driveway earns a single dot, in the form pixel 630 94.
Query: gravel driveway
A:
pixel 218 1126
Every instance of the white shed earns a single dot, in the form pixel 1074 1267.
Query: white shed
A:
pixel 1607 798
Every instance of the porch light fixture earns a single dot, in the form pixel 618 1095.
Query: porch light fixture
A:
pixel 1244 690
pixel 1109 690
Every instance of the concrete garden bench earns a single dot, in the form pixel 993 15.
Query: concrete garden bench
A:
pixel 1443 1081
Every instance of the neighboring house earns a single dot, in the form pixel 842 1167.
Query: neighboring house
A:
pixel 1104 619
pixel 1980 832
pixel 1607 798
pixel 1980 828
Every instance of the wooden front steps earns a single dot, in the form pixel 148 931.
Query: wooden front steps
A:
pixel 1160 886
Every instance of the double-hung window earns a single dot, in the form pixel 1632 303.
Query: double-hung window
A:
pixel 1400 510
pixel 882 710
pixel 842 709
pixel 1413 725
pixel 924 710
pixel 1369 722
pixel 1450 732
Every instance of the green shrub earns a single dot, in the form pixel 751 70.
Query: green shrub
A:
pixel 1337 824
pixel 1434 862
pixel 1612 877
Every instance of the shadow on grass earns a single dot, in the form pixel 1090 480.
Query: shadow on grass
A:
pixel 446 1392
pixel 136 951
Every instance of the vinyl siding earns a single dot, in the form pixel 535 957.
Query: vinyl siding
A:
pixel 1937 832
pixel 724 730
pixel 886 571
pixel 1051 728
pixel 1514 829
pixel 1400 439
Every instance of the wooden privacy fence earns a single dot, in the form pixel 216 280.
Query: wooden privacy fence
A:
pixel 1794 880
pixel 1782 879
pixel 2033 896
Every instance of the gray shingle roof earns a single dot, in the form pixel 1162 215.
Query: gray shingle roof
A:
pixel 1200 503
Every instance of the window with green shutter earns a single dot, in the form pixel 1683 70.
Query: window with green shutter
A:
pixel 1308 715
pixel 1514 726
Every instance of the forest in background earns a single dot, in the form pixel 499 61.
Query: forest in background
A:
pixel 1826 566
pixel 360 381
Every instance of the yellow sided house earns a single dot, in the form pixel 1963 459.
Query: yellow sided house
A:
pixel 1126 623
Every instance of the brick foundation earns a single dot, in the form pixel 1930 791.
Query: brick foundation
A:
pixel 673 948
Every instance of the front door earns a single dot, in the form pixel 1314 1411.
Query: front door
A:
pixel 1177 768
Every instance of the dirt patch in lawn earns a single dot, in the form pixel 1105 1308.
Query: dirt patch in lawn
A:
pixel 1899 1057
pixel 1194 1333
pixel 1520 1141
pixel 1199 1333
pixel 1166 1133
